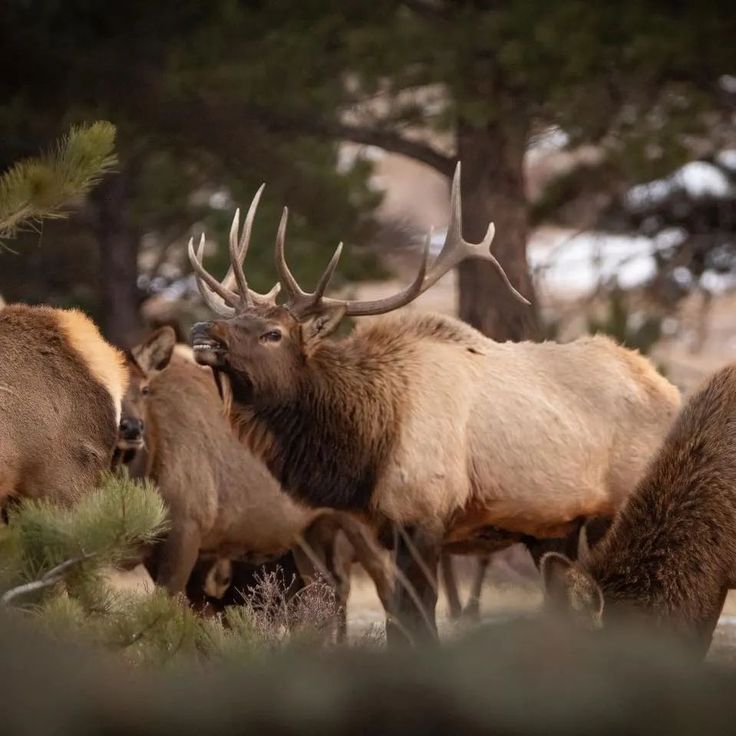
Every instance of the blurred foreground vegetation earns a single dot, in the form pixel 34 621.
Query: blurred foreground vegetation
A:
pixel 526 678
pixel 56 566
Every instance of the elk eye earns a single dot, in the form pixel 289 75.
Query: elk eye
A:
pixel 271 336
pixel 145 390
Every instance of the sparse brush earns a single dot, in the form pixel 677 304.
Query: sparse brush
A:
pixel 273 618
pixel 44 186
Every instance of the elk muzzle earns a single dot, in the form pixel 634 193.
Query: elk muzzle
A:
pixel 130 434
pixel 208 344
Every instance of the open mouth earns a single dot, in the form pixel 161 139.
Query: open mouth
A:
pixel 126 443
pixel 208 351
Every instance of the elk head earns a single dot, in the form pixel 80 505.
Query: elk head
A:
pixel 263 346
pixel 145 361
pixel 571 590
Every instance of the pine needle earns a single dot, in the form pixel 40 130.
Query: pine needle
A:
pixel 48 185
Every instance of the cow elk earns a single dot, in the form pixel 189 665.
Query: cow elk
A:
pixel 61 387
pixel 420 423
pixel 670 556
pixel 222 501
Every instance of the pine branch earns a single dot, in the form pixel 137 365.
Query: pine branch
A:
pixel 110 524
pixel 52 577
pixel 45 186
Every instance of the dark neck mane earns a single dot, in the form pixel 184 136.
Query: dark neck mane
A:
pixel 328 444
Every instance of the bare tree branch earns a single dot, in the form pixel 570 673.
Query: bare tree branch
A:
pixel 427 8
pixel 385 138
pixel 310 125
pixel 391 141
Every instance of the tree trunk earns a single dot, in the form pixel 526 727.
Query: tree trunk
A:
pixel 493 191
pixel 118 243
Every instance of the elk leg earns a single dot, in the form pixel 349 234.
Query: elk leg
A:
pixel 333 555
pixel 339 562
pixel 415 596
pixel 195 587
pixel 472 610
pixel 450 582
pixel 178 555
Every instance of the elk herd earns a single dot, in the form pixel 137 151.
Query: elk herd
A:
pixel 411 437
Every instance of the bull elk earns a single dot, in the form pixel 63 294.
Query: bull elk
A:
pixel 61 387
pixel 670 556
pixel 421 423
pixel 222 501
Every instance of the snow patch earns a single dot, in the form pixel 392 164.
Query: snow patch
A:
pixel 727 159
pixel 727 83
pixel 697 179
pixel 578 264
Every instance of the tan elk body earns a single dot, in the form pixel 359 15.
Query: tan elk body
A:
pixel 527 437
pixel 421 421
pixel 61 387
pixel 222 500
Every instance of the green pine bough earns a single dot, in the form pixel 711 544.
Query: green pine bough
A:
pixel 44 546
pixel 46 186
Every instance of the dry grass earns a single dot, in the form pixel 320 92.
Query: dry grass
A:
pixel 276 618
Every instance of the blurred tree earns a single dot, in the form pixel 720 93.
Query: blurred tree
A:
pixel 205 94
pixel 182 165
pixel 475 80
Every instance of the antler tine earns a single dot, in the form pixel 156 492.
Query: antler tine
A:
pixel 300 302
pixel 248 226
pixel 244 243
pixel 270 295
pixel 236 266
pixel 380 306
pixel 203 278
pixel 456 249
pixel 236 274
pixel 296 293
pixel 324 281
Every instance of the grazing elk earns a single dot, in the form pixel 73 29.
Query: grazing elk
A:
pixel 61 387
pixel 422 422
pixel 670 556
pixel 222 501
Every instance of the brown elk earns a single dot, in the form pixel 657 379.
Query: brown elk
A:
pixel 421 421
pixel 670 555
pixel 61 387
pixel 223 502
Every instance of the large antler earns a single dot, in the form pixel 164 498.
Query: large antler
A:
pixel 224 299
pixel 220 296
pixel 454 250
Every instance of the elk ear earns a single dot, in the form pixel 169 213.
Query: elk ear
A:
pixel 324 322
pixel 153 355
pixel 567 586
pixel 555 569
pixel 583 547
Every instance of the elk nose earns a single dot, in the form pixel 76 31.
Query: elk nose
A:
pixel 131 429
pixel 201 330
